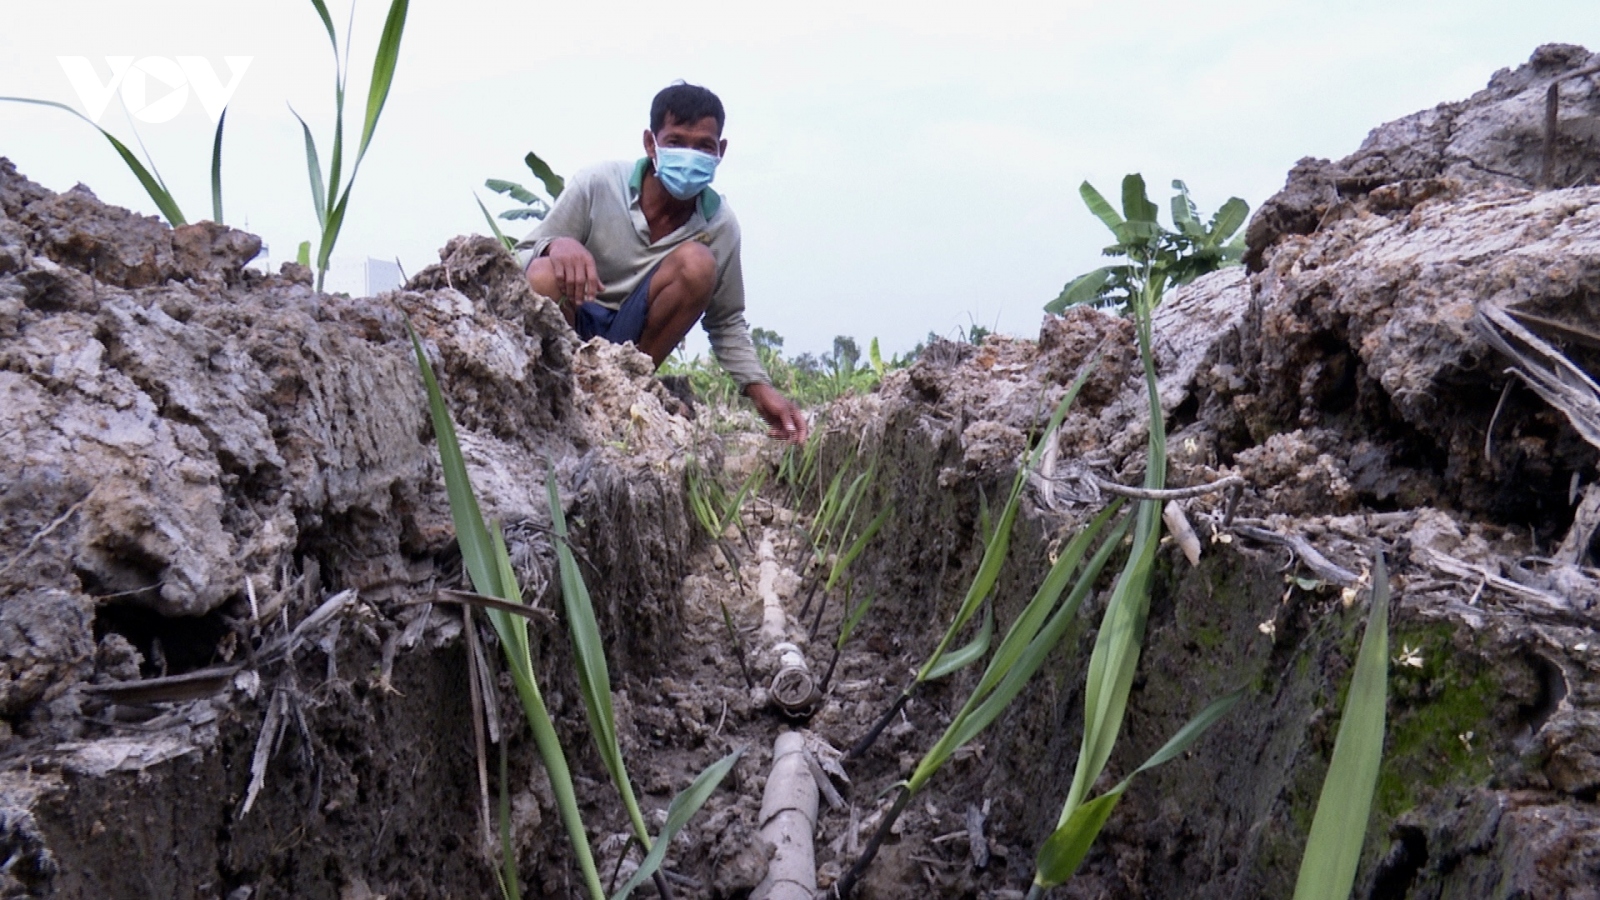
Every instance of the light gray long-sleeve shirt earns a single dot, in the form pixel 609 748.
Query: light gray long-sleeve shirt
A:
pixel 600 208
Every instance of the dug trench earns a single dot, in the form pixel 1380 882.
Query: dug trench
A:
pixel 229 672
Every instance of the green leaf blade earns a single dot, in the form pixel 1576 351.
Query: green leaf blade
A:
pixel 1136 205
pixel 494 226
pixel 319 197
pixel 152 185
pixel 1008 672
pixel 1338 831
pixel 477 549
pixel 1066 847
pixel 594 677
pixel 1086 288
pixel 966 655
pixel 1101 207
pixel 383 69
pixel 327 23
pixel 216 169
pixel 679 812
pixel 1228 219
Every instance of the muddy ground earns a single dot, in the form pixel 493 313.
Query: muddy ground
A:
pixel 222 522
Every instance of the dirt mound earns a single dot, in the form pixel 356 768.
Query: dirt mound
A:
pixel 1507 135
pixel 207 469
pixel 1354 382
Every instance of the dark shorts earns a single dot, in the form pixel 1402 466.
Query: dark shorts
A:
pixel 620 325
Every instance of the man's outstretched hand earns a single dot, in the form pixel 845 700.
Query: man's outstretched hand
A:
pixel 785 422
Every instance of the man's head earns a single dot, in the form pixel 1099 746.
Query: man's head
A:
pixel 686 116
pixel 685 104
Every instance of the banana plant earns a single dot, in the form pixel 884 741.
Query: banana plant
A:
pixel 1151 252
pixel 533 206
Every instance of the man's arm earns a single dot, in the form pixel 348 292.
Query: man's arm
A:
pixel 570 277
pixel 730 341
pixel 568 218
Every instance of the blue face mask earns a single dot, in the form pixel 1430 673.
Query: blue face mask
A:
pixel 684 172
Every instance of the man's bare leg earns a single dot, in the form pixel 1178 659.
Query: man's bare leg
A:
pixel 680 291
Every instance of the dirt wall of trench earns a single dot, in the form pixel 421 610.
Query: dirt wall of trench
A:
pixel 1348 379
pixel 199 457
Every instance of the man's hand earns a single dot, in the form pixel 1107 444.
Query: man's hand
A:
pixel 577 280
pixel 785 422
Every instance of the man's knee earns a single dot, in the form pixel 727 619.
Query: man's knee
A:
pixel 542 277
pixel 694 263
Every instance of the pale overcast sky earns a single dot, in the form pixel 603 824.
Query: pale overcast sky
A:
pixel 898 168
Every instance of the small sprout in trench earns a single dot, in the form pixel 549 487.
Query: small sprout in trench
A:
pixel 1409 656
pixel 1268 628
pixel 1304 584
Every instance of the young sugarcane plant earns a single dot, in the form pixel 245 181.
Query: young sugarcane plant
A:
pixel 594 683
pixel 1339 828
pixel 483 553
pixel 488 564
pixel 798 466
pixel 833 527
pixel 831 505
pixel 149 177
pixel 326 196
pixel 715 511
pixel 852 620
pixel 1152 263
pixel 1117 645
pixel 1030 639
pixel 843 560
pixel 945 660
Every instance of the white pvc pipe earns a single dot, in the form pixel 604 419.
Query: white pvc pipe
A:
pixel 788 821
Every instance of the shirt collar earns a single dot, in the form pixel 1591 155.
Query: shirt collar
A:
pixel 710 200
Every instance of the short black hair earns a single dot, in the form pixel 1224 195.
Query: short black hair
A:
pixel 687 104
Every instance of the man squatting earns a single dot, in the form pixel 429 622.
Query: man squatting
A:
pixel 641 251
